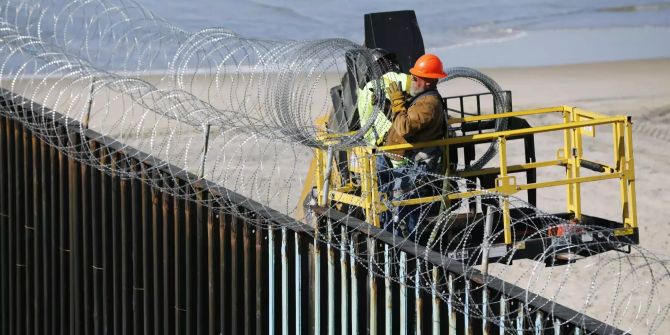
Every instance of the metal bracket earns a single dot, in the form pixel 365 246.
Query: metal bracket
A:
pixel 507 185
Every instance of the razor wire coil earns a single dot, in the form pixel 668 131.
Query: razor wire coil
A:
pixel 117 69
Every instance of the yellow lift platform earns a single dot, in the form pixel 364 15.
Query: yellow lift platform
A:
pixel 362 192
pixel 348 180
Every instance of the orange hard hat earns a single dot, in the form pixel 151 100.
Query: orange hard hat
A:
pixel 428 66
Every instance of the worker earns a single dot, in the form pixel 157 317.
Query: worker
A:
pixel 417 118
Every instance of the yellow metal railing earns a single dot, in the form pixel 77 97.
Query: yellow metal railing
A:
pixel 575 124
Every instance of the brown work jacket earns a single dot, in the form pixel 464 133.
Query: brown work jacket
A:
pixel 419 121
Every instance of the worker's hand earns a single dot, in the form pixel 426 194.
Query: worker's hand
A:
pixel 397 97
pixel 395 92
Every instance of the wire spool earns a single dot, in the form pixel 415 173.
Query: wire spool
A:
pixel 500 101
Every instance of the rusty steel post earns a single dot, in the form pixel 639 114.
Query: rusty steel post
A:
pixel 179 310
pixel 159 275
pixel 34 242
pixel 4 238
pixel 213 279
pixel 146 251
pixel 126 252
pixel 11 228
pixel 97 268
pixel 236 296
pixel 75 236
pixel 64 244
pixel 200 285
pixel 115 228
pixel 168 260
pixel 249 312
pixel 19 231
pixel 100 188
pixel 224 266
pixel 85 241
pixel 190 261
pixel 271 283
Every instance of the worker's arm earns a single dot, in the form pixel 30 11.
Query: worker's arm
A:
pixel 408 122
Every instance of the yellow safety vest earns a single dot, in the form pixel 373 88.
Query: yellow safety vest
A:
pixel 381 124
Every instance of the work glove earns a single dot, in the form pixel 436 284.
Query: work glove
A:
pixel 397 97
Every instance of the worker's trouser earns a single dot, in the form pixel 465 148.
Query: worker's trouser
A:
pixel 401 183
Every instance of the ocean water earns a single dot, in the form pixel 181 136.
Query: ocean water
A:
pixel 602 29
pixel 474 33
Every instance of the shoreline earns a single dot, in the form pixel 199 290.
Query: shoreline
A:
pixel 631 87
pixel 553 47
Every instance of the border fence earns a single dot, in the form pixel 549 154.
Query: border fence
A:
pixel 86 251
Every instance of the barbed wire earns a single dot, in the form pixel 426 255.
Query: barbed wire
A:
pixel 241 113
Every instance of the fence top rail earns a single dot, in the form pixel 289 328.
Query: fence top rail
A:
pixel 508 290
